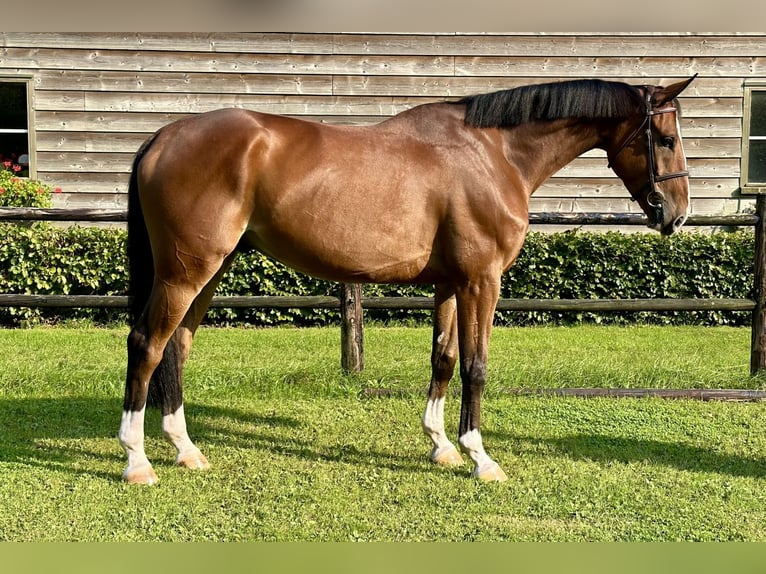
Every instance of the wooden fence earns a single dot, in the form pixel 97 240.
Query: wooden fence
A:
pixel 351 302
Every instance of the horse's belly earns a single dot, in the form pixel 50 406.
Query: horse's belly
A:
pixel 346 257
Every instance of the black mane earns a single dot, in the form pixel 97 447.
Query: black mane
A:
pixel 590 99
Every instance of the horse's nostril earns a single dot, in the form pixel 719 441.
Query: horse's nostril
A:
pixel 679 222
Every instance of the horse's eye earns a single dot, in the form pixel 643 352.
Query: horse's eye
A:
pixel 668 142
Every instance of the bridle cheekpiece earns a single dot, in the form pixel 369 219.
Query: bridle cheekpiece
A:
pixel 654 197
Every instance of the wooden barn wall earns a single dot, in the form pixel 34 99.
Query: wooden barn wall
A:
pixel 97 96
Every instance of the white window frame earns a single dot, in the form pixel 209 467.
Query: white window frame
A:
pixel 746 185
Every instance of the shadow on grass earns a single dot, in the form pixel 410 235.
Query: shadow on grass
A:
pixel 57 434
pixel 54 433
pixel 604 449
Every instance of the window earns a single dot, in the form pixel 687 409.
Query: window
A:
pixel 14 124
pixel 754 139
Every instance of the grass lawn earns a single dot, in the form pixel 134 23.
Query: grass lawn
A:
pixel 298 453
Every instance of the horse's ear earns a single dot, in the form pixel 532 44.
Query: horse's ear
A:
pixel 668 93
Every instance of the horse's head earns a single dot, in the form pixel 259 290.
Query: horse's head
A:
pixel 647 153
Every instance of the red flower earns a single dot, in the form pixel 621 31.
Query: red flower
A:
pixel 16 168
pixel 57 190
pixel 7 163
pixel 2 190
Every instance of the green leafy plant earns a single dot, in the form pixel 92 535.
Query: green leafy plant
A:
pixel 45 259
pixel 17 191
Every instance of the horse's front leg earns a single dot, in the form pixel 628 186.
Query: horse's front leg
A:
pixel 443 358
pixel 476 308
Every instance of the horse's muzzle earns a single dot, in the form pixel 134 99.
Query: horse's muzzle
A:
pixel 656 212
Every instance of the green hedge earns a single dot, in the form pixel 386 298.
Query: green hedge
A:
pixel 45 259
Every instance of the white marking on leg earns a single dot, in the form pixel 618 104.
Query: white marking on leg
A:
pixel 472 445
pixel 174 429
pixel 433 427
pixel 132 440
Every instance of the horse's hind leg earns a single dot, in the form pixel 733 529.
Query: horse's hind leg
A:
pixel 444 354
pixel 173 295
pixel 147 343
pixel 173 419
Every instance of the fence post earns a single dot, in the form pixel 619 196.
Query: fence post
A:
pixel 351 328
pixel 758 336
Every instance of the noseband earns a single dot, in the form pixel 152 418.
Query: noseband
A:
pixel 654 197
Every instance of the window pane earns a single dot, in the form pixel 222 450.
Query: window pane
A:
pixel 758 113
pixel 13 105
pixel 13 116
pixel 756 171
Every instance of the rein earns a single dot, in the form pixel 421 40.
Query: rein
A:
pixel 654 197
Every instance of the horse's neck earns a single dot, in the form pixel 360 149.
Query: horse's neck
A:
pixel 540 149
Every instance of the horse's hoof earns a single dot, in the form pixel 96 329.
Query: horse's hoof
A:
pixel 446 456
pixel 140 475
pixel 194 460
pixel 490 473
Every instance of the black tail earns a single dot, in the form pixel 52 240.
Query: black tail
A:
pixel 165 386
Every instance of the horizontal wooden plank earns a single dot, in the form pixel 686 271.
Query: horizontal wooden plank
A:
pixel 564 45
pixel 704 168
pixel 175 41
pixel 146 122
pixel 94 101
pixel 102 122
pixel 93 184
pixel 604 66
pixel 421 65
pixel 456 86
pixel 121 122
pixel 426 86
pixel 85 162
pixel 142 61
pixel 711 127
pixel 720 147
pixel 79 200
pixel 616 205
pixel 614 188
pixel 199 103
pixel 183 82
pixel 631 44
pixel 93 142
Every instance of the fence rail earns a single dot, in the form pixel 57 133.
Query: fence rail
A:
pixel 350 302
pixel 406 303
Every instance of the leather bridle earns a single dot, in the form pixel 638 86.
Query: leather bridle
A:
pixel 654 197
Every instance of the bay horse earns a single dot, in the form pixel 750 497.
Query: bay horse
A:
pixel 437 194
